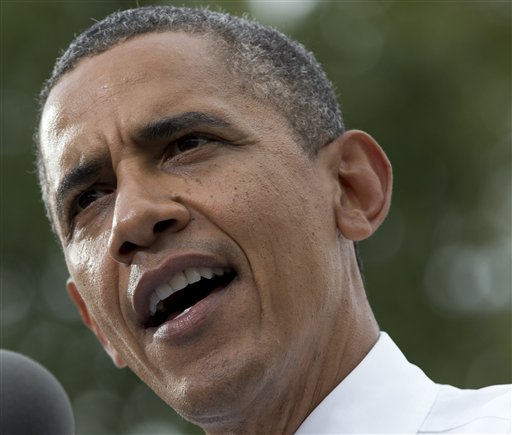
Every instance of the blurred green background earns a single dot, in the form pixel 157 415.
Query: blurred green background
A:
pixel 430 80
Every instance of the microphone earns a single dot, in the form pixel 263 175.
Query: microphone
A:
pixel 31 399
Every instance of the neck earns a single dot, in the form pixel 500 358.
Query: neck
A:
pixel 282 410
pixel 310 373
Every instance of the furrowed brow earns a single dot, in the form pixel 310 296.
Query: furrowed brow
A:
pixel 166 127
pixel 79 176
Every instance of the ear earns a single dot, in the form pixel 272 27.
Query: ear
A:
pixel 92 325
pixel 364 176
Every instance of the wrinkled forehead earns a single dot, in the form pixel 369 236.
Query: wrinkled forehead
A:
pixel 142 58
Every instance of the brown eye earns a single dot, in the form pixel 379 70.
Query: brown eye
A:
pixel 87 198
pixel 190 142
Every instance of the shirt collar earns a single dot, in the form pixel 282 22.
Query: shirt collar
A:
pixel 383 394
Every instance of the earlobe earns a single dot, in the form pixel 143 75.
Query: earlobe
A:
pixel 89 321
pixel 365 178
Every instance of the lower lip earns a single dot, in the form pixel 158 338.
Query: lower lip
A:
pixel 187 323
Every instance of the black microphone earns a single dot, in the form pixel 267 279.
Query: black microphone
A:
pixel 31 400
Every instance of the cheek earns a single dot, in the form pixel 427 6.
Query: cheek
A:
pixel 88 263
pixel 276 209
pixel 278 215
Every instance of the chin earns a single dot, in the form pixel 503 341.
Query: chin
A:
pixel 219 390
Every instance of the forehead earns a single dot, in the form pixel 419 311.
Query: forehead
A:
pixel 175 60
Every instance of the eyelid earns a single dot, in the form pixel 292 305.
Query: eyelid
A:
pixel 202 135
pixel 171 151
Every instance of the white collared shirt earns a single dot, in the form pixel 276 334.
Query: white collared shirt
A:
pixel 385 394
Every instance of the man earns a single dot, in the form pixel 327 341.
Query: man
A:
pixel 207 198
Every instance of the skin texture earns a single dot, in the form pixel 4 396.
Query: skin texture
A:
pixel 295 321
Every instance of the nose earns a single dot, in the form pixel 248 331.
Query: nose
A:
pixel 141 216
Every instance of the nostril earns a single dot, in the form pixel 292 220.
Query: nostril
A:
pixel 163 225
pixel 127 248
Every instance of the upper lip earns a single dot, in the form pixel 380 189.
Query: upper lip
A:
pixel 147 282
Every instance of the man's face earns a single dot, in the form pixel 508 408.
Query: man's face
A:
pixel 160 172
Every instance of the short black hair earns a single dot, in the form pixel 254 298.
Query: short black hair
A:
pixel 273 67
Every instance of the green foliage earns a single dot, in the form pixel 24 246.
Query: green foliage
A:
pixel 429 80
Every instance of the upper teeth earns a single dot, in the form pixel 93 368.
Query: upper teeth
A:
pixel 180 281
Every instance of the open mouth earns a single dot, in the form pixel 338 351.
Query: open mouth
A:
pixel 164 308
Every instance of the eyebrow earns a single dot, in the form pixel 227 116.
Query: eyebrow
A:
pixel 81 175
pixel 166 127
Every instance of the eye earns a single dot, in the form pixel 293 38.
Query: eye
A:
pixel 189 142
pixel 191 147
pixel 87 198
